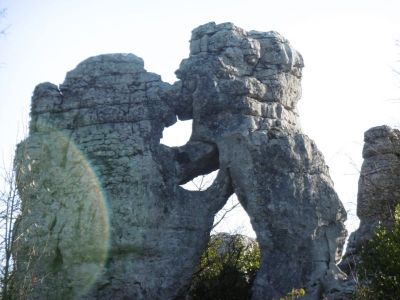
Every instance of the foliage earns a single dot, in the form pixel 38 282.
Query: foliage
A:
pixel 379 266
pixel 294 294
pixel 363 292
pixel 227 268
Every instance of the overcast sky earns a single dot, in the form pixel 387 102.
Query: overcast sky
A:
pixel 349 49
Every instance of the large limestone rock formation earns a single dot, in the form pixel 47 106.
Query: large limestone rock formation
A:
pixel 243 88
pixel 101 200
pixel 378 188
pixel 104 216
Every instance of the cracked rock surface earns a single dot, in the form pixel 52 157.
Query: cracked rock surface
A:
pixel 101 200
pixel 378 188
pixel 103 214
pixel 243 88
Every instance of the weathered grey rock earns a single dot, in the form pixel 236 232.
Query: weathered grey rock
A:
pixel 243 87
pixel 378 188
pixel 103 214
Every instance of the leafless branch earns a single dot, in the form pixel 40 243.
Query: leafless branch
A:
pixel 9 210
pixel 203 182
pixel 224 212
pixel 3 29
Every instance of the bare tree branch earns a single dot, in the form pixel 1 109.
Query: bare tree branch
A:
pixel 201 183
pixel 10 208
pixel 3 29
pixel 224 213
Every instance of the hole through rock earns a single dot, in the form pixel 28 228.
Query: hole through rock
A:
pixel 232 218
pixel 178 134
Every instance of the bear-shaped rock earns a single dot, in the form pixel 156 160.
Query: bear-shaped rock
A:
pixel 104 216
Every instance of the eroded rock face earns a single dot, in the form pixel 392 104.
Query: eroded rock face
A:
pixel 243 88
pixel 378 188
pixel 103 214
pixel 102 205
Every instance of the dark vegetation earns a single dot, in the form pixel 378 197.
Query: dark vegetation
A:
pixel 379 267
pixel 227 268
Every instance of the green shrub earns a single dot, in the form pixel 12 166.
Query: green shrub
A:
pixel 294 294
pixel 379 266
pixel 227 268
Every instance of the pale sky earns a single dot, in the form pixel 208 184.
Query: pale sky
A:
pixel 349 49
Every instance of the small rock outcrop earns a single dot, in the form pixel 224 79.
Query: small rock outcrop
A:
pixel 378 188
pixel 103 214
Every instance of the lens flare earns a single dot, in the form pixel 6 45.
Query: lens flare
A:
pixel 68 220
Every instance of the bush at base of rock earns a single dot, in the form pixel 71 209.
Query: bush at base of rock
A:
pixel 227 268
pixel 379 266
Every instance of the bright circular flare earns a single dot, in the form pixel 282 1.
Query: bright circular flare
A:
pixel 64 221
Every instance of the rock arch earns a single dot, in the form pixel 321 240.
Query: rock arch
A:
pixel 241 89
